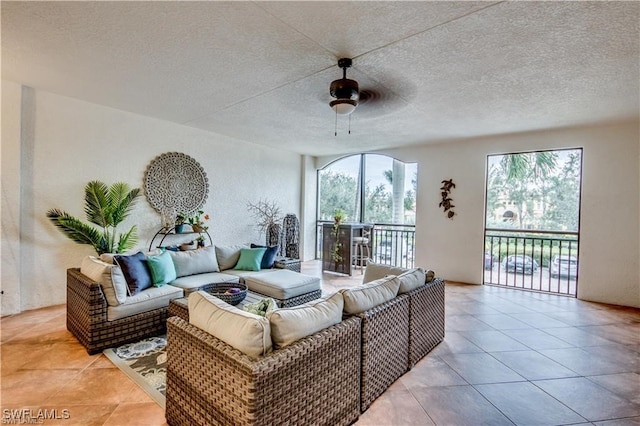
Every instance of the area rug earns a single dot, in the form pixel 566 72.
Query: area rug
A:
pixel 145 362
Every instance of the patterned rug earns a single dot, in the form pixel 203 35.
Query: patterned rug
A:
pixel 145 362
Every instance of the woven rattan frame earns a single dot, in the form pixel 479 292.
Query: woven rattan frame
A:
pixel 87 317
pixel 385 344
pixel 179 308
pixel 426 319
pixel 295 300
pixel 313 381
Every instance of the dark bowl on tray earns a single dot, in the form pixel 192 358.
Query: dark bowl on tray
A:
pixel 220 291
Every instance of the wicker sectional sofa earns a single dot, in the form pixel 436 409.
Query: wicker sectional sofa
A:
pixel 327 378
pixel 313 381
pixel 100 314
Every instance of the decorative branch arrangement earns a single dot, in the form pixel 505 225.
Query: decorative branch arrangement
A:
pixel 268 217
pixel 265 212
pixel 445 190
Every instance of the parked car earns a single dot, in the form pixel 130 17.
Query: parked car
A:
pixel 488 260
pixel 520 264
pixel 566 266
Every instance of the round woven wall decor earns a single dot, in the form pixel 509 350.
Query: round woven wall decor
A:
pixel 176 182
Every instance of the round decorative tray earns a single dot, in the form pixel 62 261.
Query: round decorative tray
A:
pixel 219 291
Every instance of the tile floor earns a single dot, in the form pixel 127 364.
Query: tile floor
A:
pixel 508 357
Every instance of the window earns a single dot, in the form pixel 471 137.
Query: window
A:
pixel 387 186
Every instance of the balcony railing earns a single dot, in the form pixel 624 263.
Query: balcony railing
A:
pixel 542 261
pixel 389 244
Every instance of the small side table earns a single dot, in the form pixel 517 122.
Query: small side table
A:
pixel 287 263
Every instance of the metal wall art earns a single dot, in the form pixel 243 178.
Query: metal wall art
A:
pixel 445 191
pixel 175 182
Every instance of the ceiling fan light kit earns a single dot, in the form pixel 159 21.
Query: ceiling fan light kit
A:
pixel 345 91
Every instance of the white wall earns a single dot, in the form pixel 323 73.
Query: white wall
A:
pixel 10 205
pixel 74 142
pixel 309 210
pixel 610 223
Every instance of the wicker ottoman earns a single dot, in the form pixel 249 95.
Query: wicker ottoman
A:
pixel 286 287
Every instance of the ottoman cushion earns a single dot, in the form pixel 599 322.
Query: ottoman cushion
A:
pixel 282 284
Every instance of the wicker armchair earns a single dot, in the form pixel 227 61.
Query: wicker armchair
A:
pixel 426 319
pixel 314 381
pixel 87 317
pixel 385 345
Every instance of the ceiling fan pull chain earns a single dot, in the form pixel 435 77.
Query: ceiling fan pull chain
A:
pixel 349 123
pixel 336 125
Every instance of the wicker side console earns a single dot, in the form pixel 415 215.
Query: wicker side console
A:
pixel 313 381
pixel 426 319
pixel 287 263
pixel 385 344
pixel 87 317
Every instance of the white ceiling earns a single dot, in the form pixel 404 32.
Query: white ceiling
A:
pixel 260 71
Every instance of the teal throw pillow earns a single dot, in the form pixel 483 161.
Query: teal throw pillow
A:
pixel 269 257
pixel 162 269
pixel 250 259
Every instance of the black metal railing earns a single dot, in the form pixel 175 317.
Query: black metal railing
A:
pixel 389 244
pixel 545 261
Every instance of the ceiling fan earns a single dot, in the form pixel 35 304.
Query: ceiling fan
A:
pixel 345 91
pixel 347 95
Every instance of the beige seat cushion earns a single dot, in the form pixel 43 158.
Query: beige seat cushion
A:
pixel 370 295
pixel 291 324
pixel 147 300
pixel 196 281
pixel 282 284
pixel 249 333
pixel 109 276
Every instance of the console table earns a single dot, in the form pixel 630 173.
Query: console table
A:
pixel 346 232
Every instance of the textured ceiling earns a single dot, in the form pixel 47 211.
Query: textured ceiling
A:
pixel 260 71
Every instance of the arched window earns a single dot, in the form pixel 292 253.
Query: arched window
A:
pixel 370 188
pixel 373 189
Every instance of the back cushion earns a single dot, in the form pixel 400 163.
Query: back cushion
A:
pixel 162 268
pixel 249 333
pixel 135 271
pixel 269 257
pixel 367 296
pixel 109 276
pixel 375 271
pixel 228 256
pixel 411 280
pixel 291 324
pixel 193 262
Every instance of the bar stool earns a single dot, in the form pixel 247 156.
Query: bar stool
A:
pixel 362 245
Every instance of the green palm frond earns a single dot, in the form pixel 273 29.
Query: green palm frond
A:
pixel 127 240
pixel 97 204
pixel 106 207
pixel 121 200
pixel 544 163
pixel 75 229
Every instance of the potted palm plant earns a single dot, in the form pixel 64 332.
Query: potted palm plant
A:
pixel 105 207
